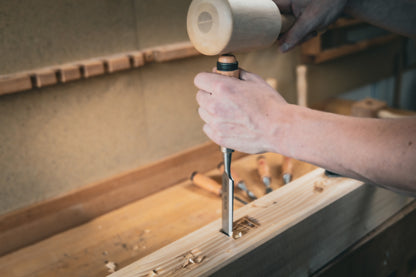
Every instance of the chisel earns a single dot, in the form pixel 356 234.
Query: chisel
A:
pixel 287 169
pixel 264 172
pixel 227 65
pixel 210 185
pixel 238 182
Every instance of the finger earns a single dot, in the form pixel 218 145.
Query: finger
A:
pixel 209 132
pixel 214 83
pixel 206 116
pixel 208 81
pixel 248 76
pixel 304 25
pixel 204 100
pixel 284 5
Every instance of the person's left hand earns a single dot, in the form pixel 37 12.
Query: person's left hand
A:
pixel 240 114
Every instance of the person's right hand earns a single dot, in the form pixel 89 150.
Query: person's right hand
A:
pixel 311 16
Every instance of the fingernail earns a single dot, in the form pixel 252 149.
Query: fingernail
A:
pixel 284 47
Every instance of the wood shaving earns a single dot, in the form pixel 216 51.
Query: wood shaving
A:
pixel 112 266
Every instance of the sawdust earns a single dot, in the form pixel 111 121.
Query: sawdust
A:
pixel 111 266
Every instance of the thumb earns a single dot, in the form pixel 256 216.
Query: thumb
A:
pixel 298 33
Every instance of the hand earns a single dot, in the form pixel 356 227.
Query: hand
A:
pixel 239 114
pixel 311 16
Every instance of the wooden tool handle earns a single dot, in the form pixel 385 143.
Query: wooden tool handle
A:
pixel 287 166
pixel 262 167
pixel 206 183
pixel 227 65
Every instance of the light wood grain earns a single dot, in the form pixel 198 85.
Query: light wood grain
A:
pixel 56 215
pixel 14 83
pixel 220 27
pixel 313 53
pixel 117 63
pixel 138 229
pixel 45 77
pixel 278 215
pixel 88 68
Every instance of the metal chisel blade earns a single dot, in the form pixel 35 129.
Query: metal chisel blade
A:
pixel 227 194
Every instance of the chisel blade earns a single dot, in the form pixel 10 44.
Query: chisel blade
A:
pixel 227 194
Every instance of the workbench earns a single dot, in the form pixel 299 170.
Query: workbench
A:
pixel 120 237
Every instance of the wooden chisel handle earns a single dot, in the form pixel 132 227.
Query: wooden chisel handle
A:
pixel 206 183
pixel 287 169
pixel 262 167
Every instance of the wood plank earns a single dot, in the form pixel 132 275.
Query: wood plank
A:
pixel 329 79
pixel 117 63
pixel 297 230
pixel 88 68
pixel 138 229
pixel 44 78
pixel 69 72
pixel 137 58
pixel 91 68
pixel 174 52
pixel 330 54
pixel 56 215
pixel 14 83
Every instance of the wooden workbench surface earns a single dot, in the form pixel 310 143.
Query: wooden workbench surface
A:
pixel 136 230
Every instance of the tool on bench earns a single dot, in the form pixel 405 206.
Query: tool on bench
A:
pixel 264 171
pixel 218 27
pixel 287 169
pixel 287 164
pixel 238 182
pixel 210 185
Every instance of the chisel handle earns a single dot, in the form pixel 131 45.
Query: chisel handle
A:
pixel 262 167
pixel 287 166
pixel 206 183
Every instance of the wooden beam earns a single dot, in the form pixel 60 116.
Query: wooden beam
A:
pixel 313 53
pixel 292 231
pixel 56 215
pixel 64 73
pixel 14 83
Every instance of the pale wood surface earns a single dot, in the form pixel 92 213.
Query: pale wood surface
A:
pixel 206 251
pixel 220 27
pixel 39 221
pixel 138 229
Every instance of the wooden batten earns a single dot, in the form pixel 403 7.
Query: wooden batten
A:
pixel 44 78
pixel 292 231
pixel 64 73
pixel 92 68
pixel 13 83
pixel 69 72
pixel 117 63
pixel 56 215
pixel 175 51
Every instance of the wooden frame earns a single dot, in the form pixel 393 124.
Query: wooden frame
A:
pixel 64 73
pixel 312 51
pixel 53 216
pixel 293 231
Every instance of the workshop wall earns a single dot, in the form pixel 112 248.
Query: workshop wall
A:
pixel 57 139
pixel 64 137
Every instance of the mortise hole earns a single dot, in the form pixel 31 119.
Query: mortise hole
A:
pixel 243 226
